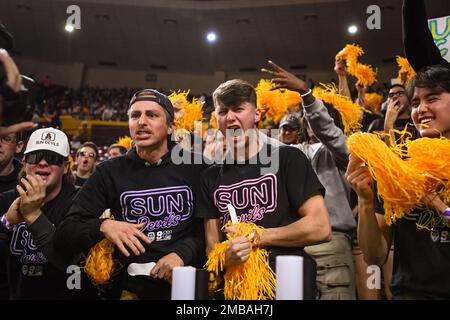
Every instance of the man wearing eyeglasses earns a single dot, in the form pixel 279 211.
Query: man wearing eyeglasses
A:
pixel 10 145
pixel 42 197
pixel 398 114
pixel 87 156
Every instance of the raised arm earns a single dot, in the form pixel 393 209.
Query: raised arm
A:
pixel 321 123
pixel 374 235
pixel 420 49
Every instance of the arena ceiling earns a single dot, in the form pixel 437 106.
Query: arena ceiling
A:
pixel 164 35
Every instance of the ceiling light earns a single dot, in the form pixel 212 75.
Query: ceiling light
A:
pixel 69 28
pixel 211 37
pixel 352 29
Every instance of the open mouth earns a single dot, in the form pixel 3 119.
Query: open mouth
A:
pixel 43 174
pixel 426 120
pixel 143 134
pixel 234 131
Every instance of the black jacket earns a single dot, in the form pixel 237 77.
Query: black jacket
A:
pixel 10 181
pixel 32 274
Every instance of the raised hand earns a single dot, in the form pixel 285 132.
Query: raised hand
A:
pixel 339 68
pixel 358 176
pixel 13 78
pixel 32 196
pixel 285 79
pixel 13 215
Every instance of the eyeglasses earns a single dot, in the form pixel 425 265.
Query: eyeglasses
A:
pixel 7 139
pixel 396 94
pixel 50 157
pixel 86 154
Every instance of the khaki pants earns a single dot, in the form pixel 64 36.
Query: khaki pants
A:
pixel 335 268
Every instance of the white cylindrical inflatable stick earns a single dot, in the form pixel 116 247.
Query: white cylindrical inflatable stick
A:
pixel 289 271
pixel 183 283
pixel 233 215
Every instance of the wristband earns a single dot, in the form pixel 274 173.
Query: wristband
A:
pixel 446 213
pixel 307 93
pixel 6 224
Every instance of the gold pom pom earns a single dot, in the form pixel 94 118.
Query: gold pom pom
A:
pixel 126 142
pixel 186 113
pixel 350 112
pixel 250 280
pixel 274 104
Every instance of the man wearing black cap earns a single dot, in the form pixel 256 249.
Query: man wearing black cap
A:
pixel 151 198
pixel 289 129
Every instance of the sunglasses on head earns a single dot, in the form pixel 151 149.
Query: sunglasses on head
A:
pixel 50 157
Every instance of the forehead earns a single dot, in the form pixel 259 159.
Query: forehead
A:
pixel 420 92
pixel 87 149
pixel 288 126
pixel 9 135
pixel 396 89
pixel 245 104
pixel 142 106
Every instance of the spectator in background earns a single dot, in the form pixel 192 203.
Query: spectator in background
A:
pixel 290 129
pixel 86 160
pixel 10 145
pixel 108 113
pixel 115 150
pixel 84 134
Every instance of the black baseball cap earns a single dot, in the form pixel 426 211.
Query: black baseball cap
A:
pixel 290 120
pixel 155 96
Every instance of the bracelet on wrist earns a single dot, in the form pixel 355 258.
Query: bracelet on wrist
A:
pixel 446 212
pixel 6 224
pixel 307 93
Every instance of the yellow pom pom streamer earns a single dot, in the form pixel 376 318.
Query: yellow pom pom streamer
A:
pixel 213 121
pixel 372 101
pixel 99 264
pixel 275 103
pixel 71 163
pixel 431 157
pixel 250 280
pixel 188 112
pixel 350 112
pixel 364 73
pixel 126 142
pixel 405 68
pixel 403 184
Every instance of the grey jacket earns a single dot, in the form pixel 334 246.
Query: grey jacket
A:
pixel 329 159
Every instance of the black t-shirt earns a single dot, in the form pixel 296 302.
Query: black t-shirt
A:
pixel 270 199
pixel 421 255
pixel 79 182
